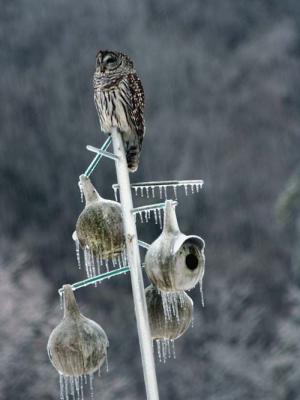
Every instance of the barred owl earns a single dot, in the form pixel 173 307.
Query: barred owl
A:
pixel 119 100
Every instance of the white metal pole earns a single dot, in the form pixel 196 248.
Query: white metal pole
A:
pixel 134 261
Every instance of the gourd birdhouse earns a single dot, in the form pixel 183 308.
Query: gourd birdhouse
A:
pixel 175 262
pixel 99 227
pixel 168 320
pixel 78 345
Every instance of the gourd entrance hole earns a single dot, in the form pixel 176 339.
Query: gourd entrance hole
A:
pixel 191 261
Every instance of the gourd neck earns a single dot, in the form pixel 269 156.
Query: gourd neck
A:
pixel 170 219
pixel 71 308
pixel 90 193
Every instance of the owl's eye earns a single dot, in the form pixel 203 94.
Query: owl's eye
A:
pixel 110 60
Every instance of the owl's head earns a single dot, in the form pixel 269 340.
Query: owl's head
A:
pixel 111 62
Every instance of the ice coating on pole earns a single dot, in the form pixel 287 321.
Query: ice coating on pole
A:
pixel 76 347
pixel 175 262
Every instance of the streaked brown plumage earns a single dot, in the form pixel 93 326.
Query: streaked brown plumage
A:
pixel 119 100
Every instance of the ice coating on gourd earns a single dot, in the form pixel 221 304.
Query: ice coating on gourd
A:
pixel 170 315
pixel 99 227
pixel 175 262
pixel 78 345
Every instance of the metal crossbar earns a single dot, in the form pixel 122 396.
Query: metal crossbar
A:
pixel 88 172
pixel 96 279
pixel 105 275
pixel 160 188
pixel 102 152
pixel 150 207
pixel 164 183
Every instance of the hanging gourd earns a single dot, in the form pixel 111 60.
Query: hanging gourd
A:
pixel 169 318
pixel 77 347
pixel 175 262
pixel 99 227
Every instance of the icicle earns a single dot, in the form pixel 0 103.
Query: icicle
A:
pixel 198 187
pixel 106 265
pixel 186 189
pixel 116 193
pixel 201 292
pixel 106 362
pixel 77 388
pixel 147 215
pixel 153 191
pixel 136 190
pixel 61 386
pixel 166 305
pixel 147 191
pixel 141 216
pixel 181 299
pixel 91 385
pixel 175 191
pixel 155 215
pixel 158 345
pixel 123 260
pixel 81 193
pixel 173 348
pixel 160 218
pixel 92 260
pixel 66 387
pixel 61 300
pixel 81 387
pixel 98 265
pixel 160 191
pixel 86 262
pixel 165 187
pixel 78 253
pixel 71 382
pixel 164 350
pixel 170 304
pixel 192 187
pixel 119 262
pixel 142 191
pixel 168 348
pixel 174 300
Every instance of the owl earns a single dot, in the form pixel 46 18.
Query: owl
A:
pixel 119 100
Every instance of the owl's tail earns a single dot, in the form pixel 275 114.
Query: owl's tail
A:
pixel 133 156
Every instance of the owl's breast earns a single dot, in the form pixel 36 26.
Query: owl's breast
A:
pixel 114 109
